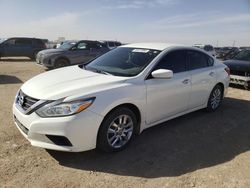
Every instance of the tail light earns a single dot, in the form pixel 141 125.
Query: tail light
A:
pixel 227 70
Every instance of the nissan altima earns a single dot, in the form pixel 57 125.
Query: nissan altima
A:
pixel 108 101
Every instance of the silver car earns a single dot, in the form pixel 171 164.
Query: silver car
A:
pixel 70 53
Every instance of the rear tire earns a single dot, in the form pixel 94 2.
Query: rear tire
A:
pixel 215 99
pixel 117 130
pixel 61 63
pixel 247 85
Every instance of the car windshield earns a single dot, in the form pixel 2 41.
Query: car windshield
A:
pixel 243 55
pixel 2 40
pixel 123 61
pixel 67 45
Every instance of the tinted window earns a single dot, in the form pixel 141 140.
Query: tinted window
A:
pixel 243 55
pixel 111 44
pixel 118 44
pixel 95 45
pixel 92 45
pixel 210 61
pixel 197 60
pixel 175 61
pixel 23 42
pixel 39 42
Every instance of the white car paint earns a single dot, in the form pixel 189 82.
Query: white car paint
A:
pixel 185 92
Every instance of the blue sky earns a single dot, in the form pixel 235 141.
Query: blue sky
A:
pixel 177 21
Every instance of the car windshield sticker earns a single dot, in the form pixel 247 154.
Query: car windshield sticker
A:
pixel 141 50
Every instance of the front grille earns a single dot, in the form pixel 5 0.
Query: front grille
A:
pixel 24 101
pixel 239 73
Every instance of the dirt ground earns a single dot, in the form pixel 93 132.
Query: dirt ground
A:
pixel 197 150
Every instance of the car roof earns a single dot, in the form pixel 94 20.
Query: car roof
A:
pixel 110 41
pixel 70 41
pixel 155 46
pixel 24 38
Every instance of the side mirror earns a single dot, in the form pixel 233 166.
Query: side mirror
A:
pixel 162 74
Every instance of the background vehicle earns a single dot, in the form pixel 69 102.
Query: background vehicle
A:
pixel 244 48
pixel 2 39
pixel 28 47
pixel 117 95
pixel 240 68
pixel 227 53
pixel 207 47
pixel 112 44
pixel 71 52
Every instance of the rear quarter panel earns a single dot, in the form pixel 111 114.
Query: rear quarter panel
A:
pixel 222 76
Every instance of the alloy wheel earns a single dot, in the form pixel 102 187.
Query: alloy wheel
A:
pixel 216 98
pixel 120 131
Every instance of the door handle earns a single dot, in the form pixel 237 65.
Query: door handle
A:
pixel 186 81
pixel 211 74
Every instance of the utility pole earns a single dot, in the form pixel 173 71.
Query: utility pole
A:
pixel 233 43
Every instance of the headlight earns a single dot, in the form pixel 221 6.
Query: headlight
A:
pixel 58 109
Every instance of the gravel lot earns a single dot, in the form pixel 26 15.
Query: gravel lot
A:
pixel 197 150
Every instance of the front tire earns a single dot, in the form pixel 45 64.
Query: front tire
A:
pixel 61 63
pixel 117 130
pixel 215 98
pixel 33 57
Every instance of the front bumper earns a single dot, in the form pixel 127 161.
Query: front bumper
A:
pixel 80 130
pixel 240 80
pixel 47 62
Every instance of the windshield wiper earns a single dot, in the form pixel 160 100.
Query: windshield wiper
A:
pixel 99 71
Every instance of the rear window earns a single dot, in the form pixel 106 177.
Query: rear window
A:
pixel 197 60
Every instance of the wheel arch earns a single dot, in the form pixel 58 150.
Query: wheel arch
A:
pixel 62 57
pixel 222 86
pixel 133 108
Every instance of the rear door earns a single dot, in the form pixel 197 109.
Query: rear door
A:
pixel 23 47
pixel 203 77
pixel 96 49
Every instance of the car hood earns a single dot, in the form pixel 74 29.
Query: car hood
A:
pixel 238 65
pixel 68 81
pixel 52 51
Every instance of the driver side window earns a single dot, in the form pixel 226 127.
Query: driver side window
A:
pixel 175 61
pixel 82 46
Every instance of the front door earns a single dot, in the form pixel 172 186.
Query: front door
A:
pixel 80 53
pixel 168 97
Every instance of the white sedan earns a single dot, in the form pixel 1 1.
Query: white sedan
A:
pixel 106 102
